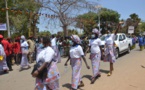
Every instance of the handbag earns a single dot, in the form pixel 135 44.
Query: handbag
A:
pixel 42 73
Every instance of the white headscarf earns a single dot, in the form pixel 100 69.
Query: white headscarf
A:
pixel 96 31
pixel 76 39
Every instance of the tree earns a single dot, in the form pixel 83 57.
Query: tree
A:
pixel 87 22
pixel 22 15
pixel 142 27
pixel 64 9
pixel 44 33
pixel 108 20
pixel 133 20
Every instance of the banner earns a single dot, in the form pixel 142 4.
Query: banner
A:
pixel 3 27
pixel 131 29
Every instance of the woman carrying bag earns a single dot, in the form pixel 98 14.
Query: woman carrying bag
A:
pixel 51 79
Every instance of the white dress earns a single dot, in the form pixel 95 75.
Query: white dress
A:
pixel 3 64
pixel 24 60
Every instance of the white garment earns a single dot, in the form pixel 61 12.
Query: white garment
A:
pixel 3 64
pixel 76 51
pixel 53 42
pixel 110 39
pixel 95 43
pixel 24 46
pixel 24 59
pixel 47 54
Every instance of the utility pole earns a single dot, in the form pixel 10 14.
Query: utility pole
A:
pixel 7 18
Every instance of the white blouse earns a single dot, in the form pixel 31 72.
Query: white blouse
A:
pixel 76 51
pixel 95 43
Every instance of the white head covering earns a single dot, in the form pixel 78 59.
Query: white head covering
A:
pixel 76 39
pixel 23 37
pixel 96 31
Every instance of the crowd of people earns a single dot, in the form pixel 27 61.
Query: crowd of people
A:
pixel 48 52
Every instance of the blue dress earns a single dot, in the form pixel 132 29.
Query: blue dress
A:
pixel 140 39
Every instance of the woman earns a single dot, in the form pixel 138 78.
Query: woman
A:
pixel 51 81
pixel 24 49
pixel 3 65
pixel 76 53
pixel 95 54
pixel 141 43
pixel 110 49
pixel 55 48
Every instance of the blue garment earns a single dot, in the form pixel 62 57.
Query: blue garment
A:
pixel 133 41
pixel 144 40
pixel 140 39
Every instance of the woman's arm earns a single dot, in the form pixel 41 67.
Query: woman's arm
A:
pixel 35 74
pixel 118 28
pixel 86 62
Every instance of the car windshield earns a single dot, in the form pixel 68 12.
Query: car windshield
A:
pixel 104 36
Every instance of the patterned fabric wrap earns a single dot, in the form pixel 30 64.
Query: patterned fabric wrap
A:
pixel 76 64
pixel 110 53
pixel 51 86
pixel 95 60
pixel 76 39
pixel 53 76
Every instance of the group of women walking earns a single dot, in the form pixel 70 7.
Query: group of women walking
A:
pixel 49 56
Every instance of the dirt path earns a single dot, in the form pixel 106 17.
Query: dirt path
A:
pixel 129 74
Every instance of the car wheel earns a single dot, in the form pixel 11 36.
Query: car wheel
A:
pixel 128 51
pixel 117 53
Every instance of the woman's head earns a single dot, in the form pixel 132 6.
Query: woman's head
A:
pixel 75 39
pixel 95 33
pixel 46 41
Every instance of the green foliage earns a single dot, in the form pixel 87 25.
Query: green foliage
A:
pixel 22 16
pixel 44 33
pixel 133 20
pixel 87 21
pixel 143 26
pixel 108 20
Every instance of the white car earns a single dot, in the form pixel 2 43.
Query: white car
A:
pixel 123 43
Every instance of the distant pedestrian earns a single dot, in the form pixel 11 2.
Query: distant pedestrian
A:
pixel 55 48
pixel 3 64
pixel 24 49
pixel 6 45
pixel 141 43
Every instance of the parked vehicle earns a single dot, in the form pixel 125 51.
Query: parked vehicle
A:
pixel 122 43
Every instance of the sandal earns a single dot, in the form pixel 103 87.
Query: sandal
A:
pixel 93 80
pixel 109 74
pixel 81 85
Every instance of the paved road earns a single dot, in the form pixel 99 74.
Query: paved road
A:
pixel 129 74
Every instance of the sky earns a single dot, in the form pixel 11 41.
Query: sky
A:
pixel 123 7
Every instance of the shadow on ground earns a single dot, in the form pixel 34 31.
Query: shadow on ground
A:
pixel 87 76
pixel 142 66
pixel 67 85
pixel 104 71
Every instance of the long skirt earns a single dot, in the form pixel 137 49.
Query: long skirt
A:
pixel 57 54
pixel 40 85
pixel 110 54
pixel 24 61
pixel 76 72
pixel 95 60
pixel 3 64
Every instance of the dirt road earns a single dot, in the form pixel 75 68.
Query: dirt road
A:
pixel 129 74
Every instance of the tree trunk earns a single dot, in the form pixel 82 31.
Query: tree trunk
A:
pixel 65 30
